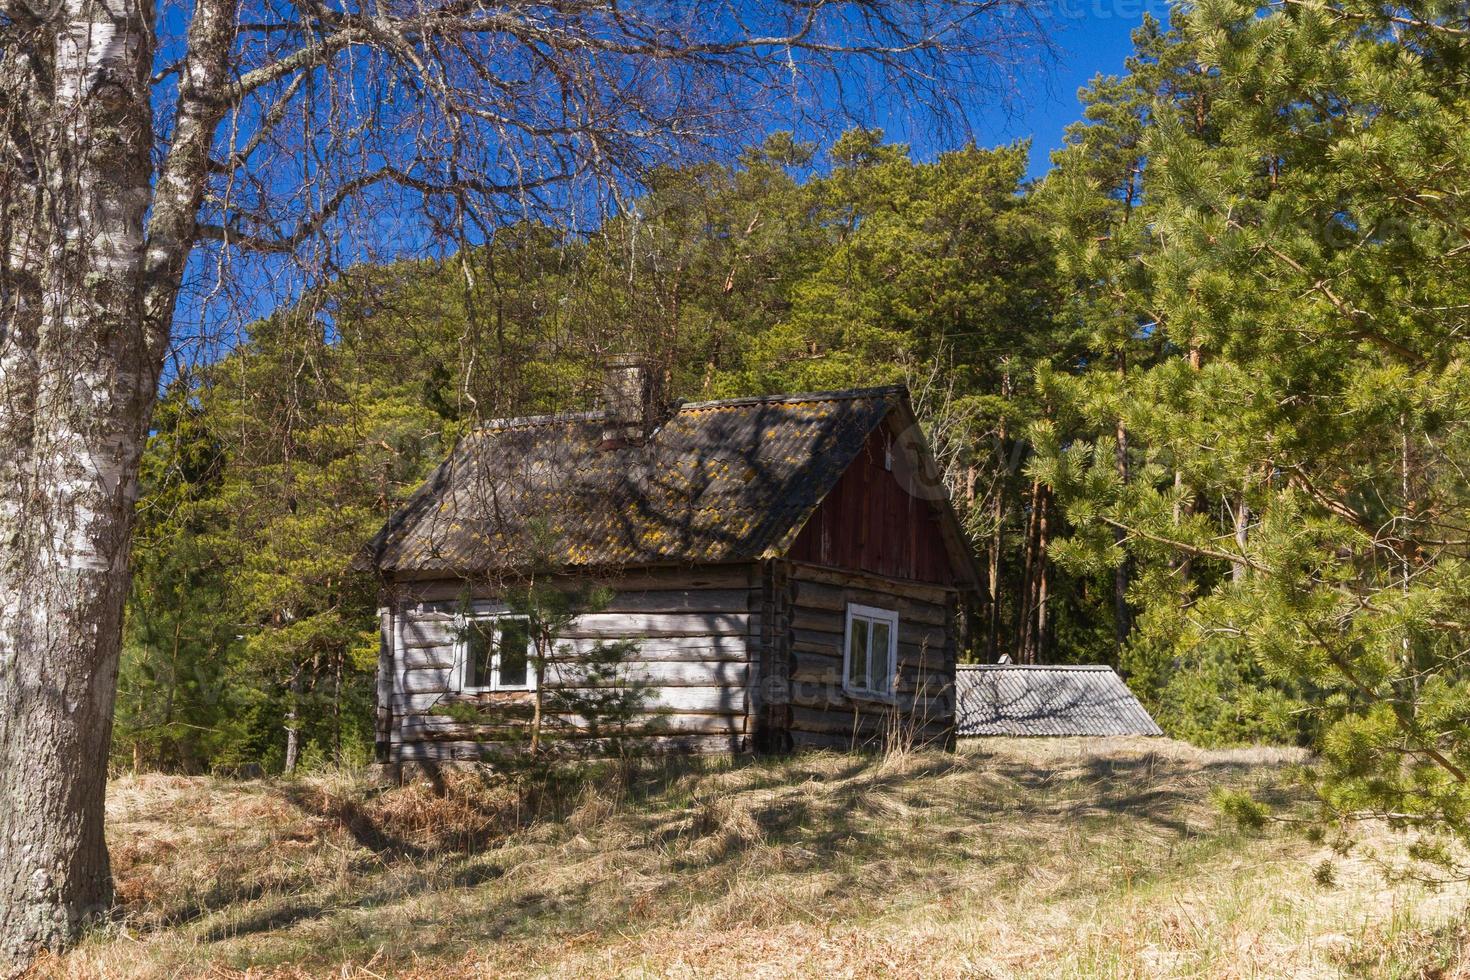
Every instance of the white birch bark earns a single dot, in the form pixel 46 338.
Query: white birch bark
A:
pixel 87 302
pixel 77 378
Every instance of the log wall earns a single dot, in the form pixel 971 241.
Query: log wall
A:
pixel 737 658
pixel 818 711
pixel 696 632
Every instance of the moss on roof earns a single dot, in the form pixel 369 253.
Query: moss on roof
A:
pixel 718 481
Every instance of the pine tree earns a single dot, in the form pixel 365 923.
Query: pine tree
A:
pixel 1310 242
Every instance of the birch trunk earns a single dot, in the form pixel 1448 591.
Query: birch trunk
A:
pixel 78 371
pixel 292 726
pixel 1239 569
pixel 86 299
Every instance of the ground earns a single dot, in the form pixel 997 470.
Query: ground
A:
pixel 1041 858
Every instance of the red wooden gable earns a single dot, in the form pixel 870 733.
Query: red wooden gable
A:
pixel 871 523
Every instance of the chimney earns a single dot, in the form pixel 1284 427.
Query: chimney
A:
pixel 626 401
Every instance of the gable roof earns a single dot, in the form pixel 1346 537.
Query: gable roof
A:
pixel 1009 699
pixel 719 481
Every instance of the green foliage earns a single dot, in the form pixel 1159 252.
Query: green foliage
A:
pixel 266 474
pixel 179 646
pixel 1201 395
pixel 581 695
pixel 1218 696
pixel 941 260
pixel 270 467
pixel 593 696
pixel 1238 806
pixel 608 705
pixel 1282 260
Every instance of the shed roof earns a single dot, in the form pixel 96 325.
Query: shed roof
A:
pixel 1010 699
pixel 718 481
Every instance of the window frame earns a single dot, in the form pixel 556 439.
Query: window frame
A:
pixel 870 615
pixel 462 655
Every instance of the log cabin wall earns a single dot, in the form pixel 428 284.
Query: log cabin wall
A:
pixel 871 542
pixel 771 700
pixel 820 712
pixel 740 656
pixel 696 630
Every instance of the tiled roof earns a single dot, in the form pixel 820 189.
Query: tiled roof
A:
pixel 719 481
pixel 1005 699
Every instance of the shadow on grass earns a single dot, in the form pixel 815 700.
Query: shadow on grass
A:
pixel 354 817
pixel 851 824
pixel 839 817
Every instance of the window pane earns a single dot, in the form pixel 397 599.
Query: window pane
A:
pixel 515 652
pixel 880 671
pixel 857 650
pixel 477 655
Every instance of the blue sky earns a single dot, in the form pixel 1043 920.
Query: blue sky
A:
pixel 1089 37
pixel 1039 98
pixel 1092 38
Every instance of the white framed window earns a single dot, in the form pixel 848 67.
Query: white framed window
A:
pixel 870 651
pixel 495 655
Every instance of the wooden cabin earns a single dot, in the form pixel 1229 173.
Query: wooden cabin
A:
pixel 788 570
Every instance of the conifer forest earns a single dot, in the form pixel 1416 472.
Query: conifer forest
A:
pixel 1197 380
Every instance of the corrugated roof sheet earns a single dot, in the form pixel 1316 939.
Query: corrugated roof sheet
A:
pixel 1007 699
pixel 719 481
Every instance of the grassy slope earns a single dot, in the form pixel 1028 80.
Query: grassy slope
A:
pixel 1046 858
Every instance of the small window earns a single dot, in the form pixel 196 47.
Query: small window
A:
pixel 514 667
pixel 495 655
pixel 479 655
pixel 870 659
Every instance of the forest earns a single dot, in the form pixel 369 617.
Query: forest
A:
pixel 1199 392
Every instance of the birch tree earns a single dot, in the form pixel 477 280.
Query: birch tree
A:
pixel 154 159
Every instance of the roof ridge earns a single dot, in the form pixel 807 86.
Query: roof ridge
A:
pixel 847 394
pixel 1034 667
pixel 527 421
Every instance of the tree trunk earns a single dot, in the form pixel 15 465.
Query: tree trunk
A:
pixel 543 647
pixel 1002 483
pixel 536 720
pixel 1025 642
pixel 1181 562
pixel 337 708
pixel 86 301
pixel 1186 562
pixel 79 367
pixel 293 729
pixel 992 635
pixel 1034 626
pixel 1238 569
pixel 1122 615
pixel 1043 579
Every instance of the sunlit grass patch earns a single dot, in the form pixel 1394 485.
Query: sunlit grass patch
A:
pixel 1010 858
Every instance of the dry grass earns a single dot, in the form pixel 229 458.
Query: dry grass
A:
pixel 1053 858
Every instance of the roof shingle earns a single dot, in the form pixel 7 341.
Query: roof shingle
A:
pixel 1007 699
pixel 719 481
